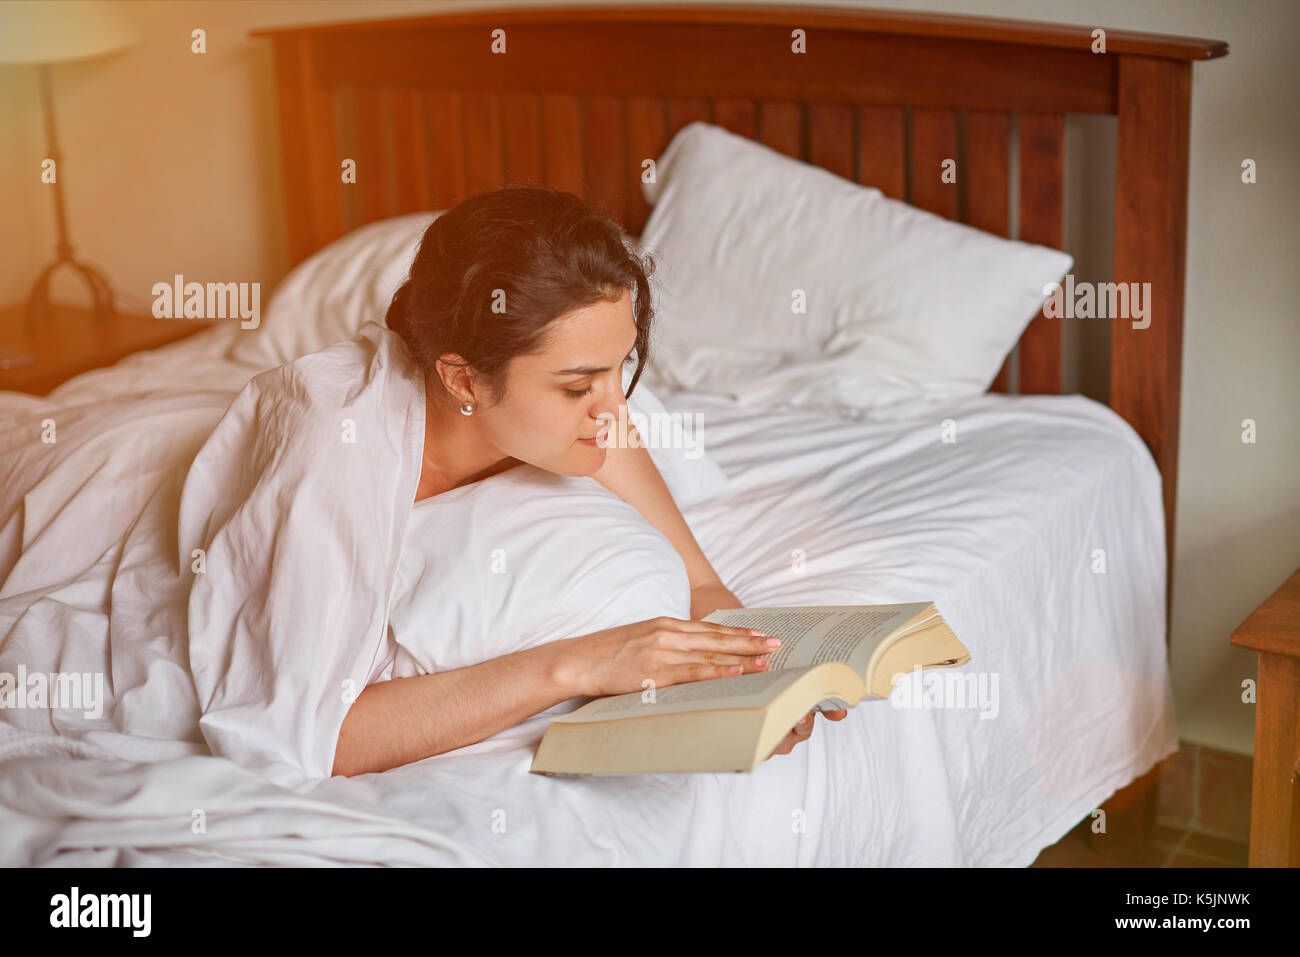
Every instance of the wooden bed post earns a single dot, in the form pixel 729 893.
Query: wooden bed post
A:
pixel 1154 99
pixel 1150 246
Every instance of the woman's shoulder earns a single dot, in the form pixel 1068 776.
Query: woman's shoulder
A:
pixel 375 362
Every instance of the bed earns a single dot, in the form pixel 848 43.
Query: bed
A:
pixel 1000 529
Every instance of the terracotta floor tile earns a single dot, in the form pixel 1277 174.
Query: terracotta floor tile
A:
pixel 1232 853
pixel 1194 860
pixel 1073 851
pixel 1165 836
pixel 1127 855
pixel 1223 798
pixel 1177 805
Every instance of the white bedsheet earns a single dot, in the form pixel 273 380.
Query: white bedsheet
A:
pixel 1000 527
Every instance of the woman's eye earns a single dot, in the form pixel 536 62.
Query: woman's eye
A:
pixel 579 394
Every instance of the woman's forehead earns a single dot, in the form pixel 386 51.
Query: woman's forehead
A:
pixel 592 333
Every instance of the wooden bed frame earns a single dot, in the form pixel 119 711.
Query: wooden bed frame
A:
pixel 581 95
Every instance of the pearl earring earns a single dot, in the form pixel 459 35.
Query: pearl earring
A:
pixel 467 408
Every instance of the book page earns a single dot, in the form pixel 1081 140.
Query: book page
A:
pixel 812 634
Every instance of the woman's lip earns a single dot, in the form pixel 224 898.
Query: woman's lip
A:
pixel 590 441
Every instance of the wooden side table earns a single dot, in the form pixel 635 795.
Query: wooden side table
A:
pixel 1273 630
pixel 72 342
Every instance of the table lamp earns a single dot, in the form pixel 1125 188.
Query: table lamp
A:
pixel 43 34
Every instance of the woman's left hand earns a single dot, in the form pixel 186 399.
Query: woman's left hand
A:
pixel 803 730
pixel 710 596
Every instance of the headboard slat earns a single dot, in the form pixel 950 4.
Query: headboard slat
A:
pixel 831 137
pixel 410 155
pixel 446 147
pixel 881 150
pixel 562 142
pixel 986 171
pixel 684 110
pixel 1042 179
pixel 521 120
pixel 605 135
pixel 485 158
pixel 647 135
pixel 934 143
pixel 368 141
pixel 780 126
pixel 738 116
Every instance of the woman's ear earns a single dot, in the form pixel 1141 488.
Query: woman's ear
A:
pixel 454 374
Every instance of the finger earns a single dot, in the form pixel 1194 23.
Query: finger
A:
pixel 748 663
pixel 697 671
pixel 684 624
pixel 729 640
pixel 731 644
pixel 786 746
pixel 789 742
pixel 835 715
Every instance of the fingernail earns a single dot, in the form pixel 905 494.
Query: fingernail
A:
pixel 773 642
pixel 755 631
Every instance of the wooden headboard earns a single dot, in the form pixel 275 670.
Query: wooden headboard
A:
pixel 433 109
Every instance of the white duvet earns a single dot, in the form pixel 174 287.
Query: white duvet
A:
pixel 1006 528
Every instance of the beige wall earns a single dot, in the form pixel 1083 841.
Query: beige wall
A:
pixel 170 165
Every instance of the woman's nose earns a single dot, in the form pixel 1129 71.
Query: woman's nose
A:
pixel 607 405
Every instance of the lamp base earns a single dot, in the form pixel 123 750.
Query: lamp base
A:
pixel 39 307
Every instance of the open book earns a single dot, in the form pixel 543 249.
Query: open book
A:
pixel 831 657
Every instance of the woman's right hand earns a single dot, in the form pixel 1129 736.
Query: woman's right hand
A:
pixel 667 651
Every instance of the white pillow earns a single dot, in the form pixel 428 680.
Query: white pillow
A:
pixel 899 302
pixel 329 296
pixel 520 559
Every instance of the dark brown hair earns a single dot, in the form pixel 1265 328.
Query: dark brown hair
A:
pixel 546 250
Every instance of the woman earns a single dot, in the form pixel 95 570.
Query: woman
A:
pixel 505 345
pixel 519 311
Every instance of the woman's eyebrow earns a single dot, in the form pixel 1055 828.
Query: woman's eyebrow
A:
pixel 590 370
pixel 582 370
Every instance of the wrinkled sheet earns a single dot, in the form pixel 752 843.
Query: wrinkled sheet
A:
pixel 1000 527
pixel 291 525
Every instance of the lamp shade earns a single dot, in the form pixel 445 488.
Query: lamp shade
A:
pixel 48 32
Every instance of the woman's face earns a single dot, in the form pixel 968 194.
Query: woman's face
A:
pixel 554 399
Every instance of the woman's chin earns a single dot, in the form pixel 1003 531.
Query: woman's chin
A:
pixel 585 460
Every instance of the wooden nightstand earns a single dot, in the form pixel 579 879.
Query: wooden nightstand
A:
pixel 1273 630
pixel 72 342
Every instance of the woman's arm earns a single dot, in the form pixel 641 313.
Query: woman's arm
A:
pixel 630 473
pixel 406 719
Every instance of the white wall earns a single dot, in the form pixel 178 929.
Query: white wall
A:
pixel 171 165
